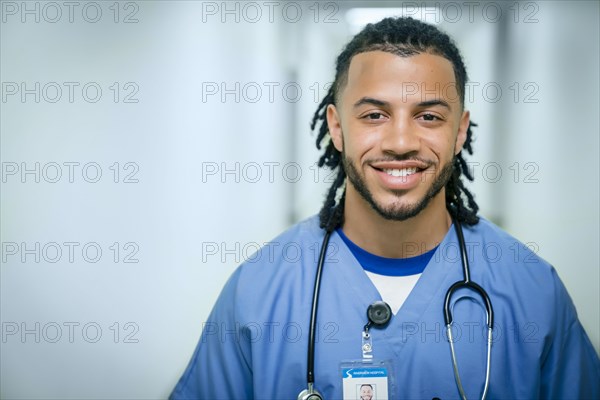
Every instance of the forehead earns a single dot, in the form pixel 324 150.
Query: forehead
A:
pixel 389 77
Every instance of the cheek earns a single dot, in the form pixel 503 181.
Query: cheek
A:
pixel 442 144
pixel 359 140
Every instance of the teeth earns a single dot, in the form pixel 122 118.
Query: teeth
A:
pixel 401 172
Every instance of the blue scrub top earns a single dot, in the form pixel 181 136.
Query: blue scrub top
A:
pixel 254 344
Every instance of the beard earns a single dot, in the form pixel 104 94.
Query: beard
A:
pixel 397 211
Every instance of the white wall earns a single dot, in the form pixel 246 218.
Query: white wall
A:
pixel 188 229
pixel 548 195
pixel 560 133
pixel 170 215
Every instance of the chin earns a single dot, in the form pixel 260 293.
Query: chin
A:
pixel 399 208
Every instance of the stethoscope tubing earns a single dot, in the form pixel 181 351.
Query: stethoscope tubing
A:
pixel 465 283
pixel 468 284
pixel 310 370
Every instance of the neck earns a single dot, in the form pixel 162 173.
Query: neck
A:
pixel 395 239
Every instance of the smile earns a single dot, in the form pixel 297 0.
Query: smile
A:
pixel 400 172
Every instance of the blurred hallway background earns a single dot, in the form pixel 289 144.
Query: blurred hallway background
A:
pixel 149 147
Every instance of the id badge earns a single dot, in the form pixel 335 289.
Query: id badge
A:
pixel 366 380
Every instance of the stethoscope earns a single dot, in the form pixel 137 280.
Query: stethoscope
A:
pixel 379 314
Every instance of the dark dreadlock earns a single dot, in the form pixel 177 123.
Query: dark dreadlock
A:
pixel 403 37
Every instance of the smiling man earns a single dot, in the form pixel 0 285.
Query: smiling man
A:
pixel 368 300
pixel 398 133
pixel 366 392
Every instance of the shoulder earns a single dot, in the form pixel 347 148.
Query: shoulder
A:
pixel 281 270
pixel 515 272
pixel 498 247
pixel 291 246
pixel 505 257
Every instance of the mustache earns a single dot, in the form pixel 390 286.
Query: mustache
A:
pixel 401 157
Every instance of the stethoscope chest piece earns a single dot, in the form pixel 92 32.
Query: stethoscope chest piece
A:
pixel 310 394
pixel 379 313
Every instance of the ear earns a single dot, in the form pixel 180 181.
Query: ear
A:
pixel 463 126
pixel 335 127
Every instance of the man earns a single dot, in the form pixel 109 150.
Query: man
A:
pixel 394 126
pixel 366 392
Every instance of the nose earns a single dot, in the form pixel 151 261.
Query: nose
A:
pixel 401 137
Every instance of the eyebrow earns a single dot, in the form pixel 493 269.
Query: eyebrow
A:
pixel 370 100
pixel 381 103
pixel 435 102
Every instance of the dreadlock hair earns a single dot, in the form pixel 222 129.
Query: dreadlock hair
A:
pixel 404 37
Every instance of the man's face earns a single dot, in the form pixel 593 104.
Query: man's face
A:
pixel 399 123
pixel 366 393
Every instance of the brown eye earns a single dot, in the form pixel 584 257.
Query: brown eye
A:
pixel 429 117
pixel 374 116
